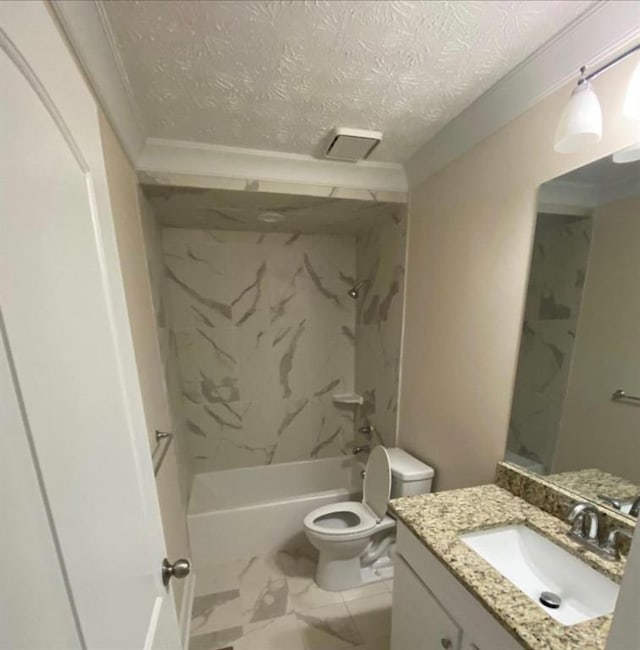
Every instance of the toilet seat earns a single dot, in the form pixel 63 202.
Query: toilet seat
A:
pixel 365 519
pixel 349 519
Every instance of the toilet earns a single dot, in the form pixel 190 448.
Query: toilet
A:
pixel 355 539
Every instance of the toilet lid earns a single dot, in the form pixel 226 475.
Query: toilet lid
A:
pixel 377 482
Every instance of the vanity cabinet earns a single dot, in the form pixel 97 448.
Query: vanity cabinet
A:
pixel 432 610
pixel 418 619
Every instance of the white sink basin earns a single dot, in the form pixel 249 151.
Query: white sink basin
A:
pixel 535 564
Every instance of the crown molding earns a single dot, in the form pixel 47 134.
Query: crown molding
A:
pixel 597 34
pixel 89 34
pixel 160 156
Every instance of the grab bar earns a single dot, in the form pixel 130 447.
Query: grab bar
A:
pixel 163 440
pixel 620 394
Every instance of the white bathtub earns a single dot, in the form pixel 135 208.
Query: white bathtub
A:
pixel 237 513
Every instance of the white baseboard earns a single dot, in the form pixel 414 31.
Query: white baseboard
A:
pixel 185 609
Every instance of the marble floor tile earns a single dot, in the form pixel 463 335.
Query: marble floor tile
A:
pixel 299 562
pixel 272 603
pixel 217 611
pixel 264 590
pixel 329 628
pixel 371 589
pixel 284 633
pixel 305 594
pixel 218 577
pixel 372 616
pixel 215 640
pixel 266 601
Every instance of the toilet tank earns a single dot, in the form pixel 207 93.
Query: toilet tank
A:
pixel 409 476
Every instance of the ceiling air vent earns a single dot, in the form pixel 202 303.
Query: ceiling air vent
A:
pixel 352 144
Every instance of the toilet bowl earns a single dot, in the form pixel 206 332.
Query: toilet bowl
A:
pixel 354 538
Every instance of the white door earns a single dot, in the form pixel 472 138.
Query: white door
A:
pixel 66 331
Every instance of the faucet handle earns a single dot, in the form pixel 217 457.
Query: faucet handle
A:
pixel 610 547
pixel 366 430
pixel 612 501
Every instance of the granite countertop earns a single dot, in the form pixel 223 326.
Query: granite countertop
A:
pixel 593 482
pixel 438 519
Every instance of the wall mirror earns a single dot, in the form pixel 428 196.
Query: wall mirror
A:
pixel 575 414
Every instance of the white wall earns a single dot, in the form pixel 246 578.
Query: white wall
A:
pixel 470 234
pixel 595 431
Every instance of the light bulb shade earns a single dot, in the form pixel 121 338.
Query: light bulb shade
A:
pixel 630 154
pixel 580 124
pixel 631 106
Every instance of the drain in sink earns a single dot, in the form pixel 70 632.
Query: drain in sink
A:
pixel 550 600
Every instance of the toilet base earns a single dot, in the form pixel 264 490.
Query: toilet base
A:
pixel 340 575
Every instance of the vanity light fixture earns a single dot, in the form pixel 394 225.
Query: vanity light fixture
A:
pixel 630 154
pixel 581 121
pixel 631 109
pixel 631 106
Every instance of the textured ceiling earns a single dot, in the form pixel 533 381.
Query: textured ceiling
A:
pixel 190 207
pixel 280 75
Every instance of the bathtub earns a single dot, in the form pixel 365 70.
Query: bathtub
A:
pixel 238 513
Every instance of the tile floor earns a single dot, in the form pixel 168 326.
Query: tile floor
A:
pixel 272 603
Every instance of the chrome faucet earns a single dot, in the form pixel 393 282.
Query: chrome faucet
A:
pixel 610 547
pixel 584 523
pixel 361 449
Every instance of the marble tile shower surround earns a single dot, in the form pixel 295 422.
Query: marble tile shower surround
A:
pixel 264 335
pixel 269 187
pixel 230 209
pixel 380 263
pixel 556 279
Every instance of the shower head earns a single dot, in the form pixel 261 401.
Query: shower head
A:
pixel 354 292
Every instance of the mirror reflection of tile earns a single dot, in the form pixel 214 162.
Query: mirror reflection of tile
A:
pixel 579 335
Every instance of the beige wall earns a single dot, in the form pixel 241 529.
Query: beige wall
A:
pixel 470 233
pixel 594 431
pixel 168 347
pixel 123 194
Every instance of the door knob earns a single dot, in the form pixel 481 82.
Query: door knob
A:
pixel 179 569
